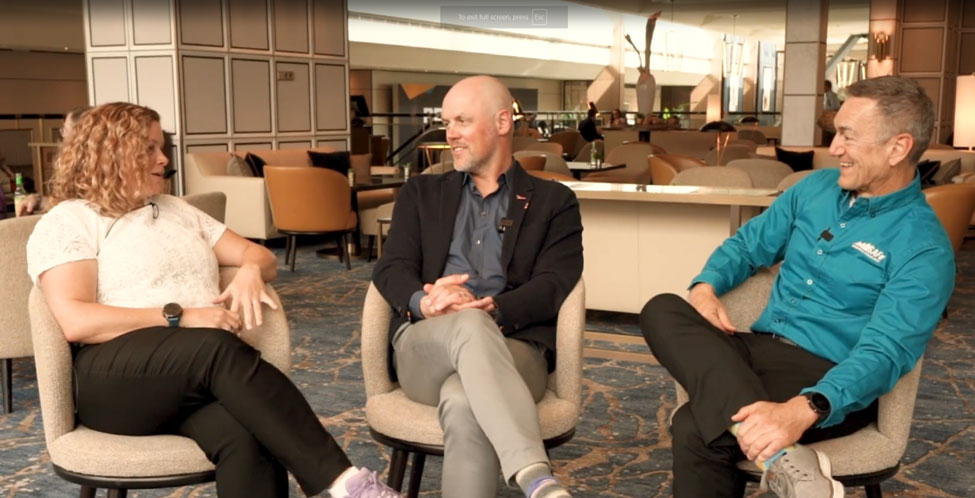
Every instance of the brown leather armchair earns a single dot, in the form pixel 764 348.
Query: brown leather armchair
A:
pixel 661 172
pixel 954 204
pixel 308 201
pixel 532 163
pixel 682 162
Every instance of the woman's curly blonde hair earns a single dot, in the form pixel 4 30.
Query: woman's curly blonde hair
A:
pixel 106 160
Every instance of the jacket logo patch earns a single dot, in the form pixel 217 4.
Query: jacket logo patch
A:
pixel 869 251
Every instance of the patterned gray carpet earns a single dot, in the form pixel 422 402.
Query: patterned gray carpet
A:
pixel 621 448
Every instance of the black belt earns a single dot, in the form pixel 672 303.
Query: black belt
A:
pixel 777 337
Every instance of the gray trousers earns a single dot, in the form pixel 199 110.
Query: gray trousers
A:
pixel 485 387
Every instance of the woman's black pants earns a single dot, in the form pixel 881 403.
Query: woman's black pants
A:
pixel 722 373
pixel 207 384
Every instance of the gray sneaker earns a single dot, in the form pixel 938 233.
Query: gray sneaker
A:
pixel 802 473
pixel 366 484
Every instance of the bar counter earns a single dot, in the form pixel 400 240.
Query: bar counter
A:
pixel 642 240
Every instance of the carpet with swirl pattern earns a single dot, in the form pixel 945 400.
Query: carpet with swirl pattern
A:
pixel 621 447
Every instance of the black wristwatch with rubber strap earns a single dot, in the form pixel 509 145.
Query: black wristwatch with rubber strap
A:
pixel 819 404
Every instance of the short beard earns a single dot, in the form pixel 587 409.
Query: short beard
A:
pixel 471 167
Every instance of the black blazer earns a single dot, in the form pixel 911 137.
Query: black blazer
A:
pixel 541 252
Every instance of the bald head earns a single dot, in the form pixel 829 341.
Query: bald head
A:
pixel 487 94
pixel 477 114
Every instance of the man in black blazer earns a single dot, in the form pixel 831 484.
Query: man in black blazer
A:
pixel 476 267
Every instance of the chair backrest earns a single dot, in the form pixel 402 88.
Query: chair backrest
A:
pixel 688 143
pixel 746 302
pixel 522 142
pixel 713 176
pixel 15 339
pixel 656 149
pixel 570 140
pixel 565 381
pixel 551 175
pixel 946 172
pixel 747 144
pixel 308 199
pixel 553 162
pixel 550 147
pixel 728 152
pixel 765 173
pixel 585 153
pixel 792 179
pixel 754 135
pixel 633 154
pixel 532 163
pixel 362 165
pixel 637 170
pixel 379 149
pixel 212 203
pixel 661 172
pixel 954 205
pixel 681 161
pixel 52 357
pixel 438 168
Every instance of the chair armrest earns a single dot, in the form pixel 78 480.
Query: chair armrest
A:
pixel 895 410
pixel 376 316
pixel 273 338
pixel 52 357
pixel 569 341
pixel 248 212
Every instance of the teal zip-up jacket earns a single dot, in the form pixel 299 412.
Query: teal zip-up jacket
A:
pixel 862 285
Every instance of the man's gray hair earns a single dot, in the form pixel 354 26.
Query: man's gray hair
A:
pixel 904 108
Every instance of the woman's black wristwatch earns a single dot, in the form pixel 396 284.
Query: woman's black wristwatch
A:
pixel 172 312
pixel 819 404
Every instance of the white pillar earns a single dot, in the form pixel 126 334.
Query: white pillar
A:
pixel 606 90
pixel 805 62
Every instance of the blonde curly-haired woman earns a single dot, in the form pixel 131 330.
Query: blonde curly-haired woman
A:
pixel 131 276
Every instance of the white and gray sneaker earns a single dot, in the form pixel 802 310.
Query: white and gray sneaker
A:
pixel 802 473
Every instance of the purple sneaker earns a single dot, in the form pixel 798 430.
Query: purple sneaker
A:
pixel 366 484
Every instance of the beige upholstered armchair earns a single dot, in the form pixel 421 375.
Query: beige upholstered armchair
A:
pixel 410 427
pixel 15 324
pixel 866 457
pixel 713 176
pixel 99 460
pixel 212 203
pixel 248 211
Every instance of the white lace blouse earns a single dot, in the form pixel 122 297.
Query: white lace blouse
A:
pixel 146 258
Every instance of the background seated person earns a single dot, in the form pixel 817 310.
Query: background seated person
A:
pixel 588 127
pixel 618 120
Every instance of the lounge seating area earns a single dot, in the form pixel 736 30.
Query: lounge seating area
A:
pixel 650 135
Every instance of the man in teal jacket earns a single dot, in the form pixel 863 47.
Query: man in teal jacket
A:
pixel 866 271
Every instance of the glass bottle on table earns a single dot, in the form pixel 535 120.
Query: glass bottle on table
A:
pixel 351 175
pixel 20 194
